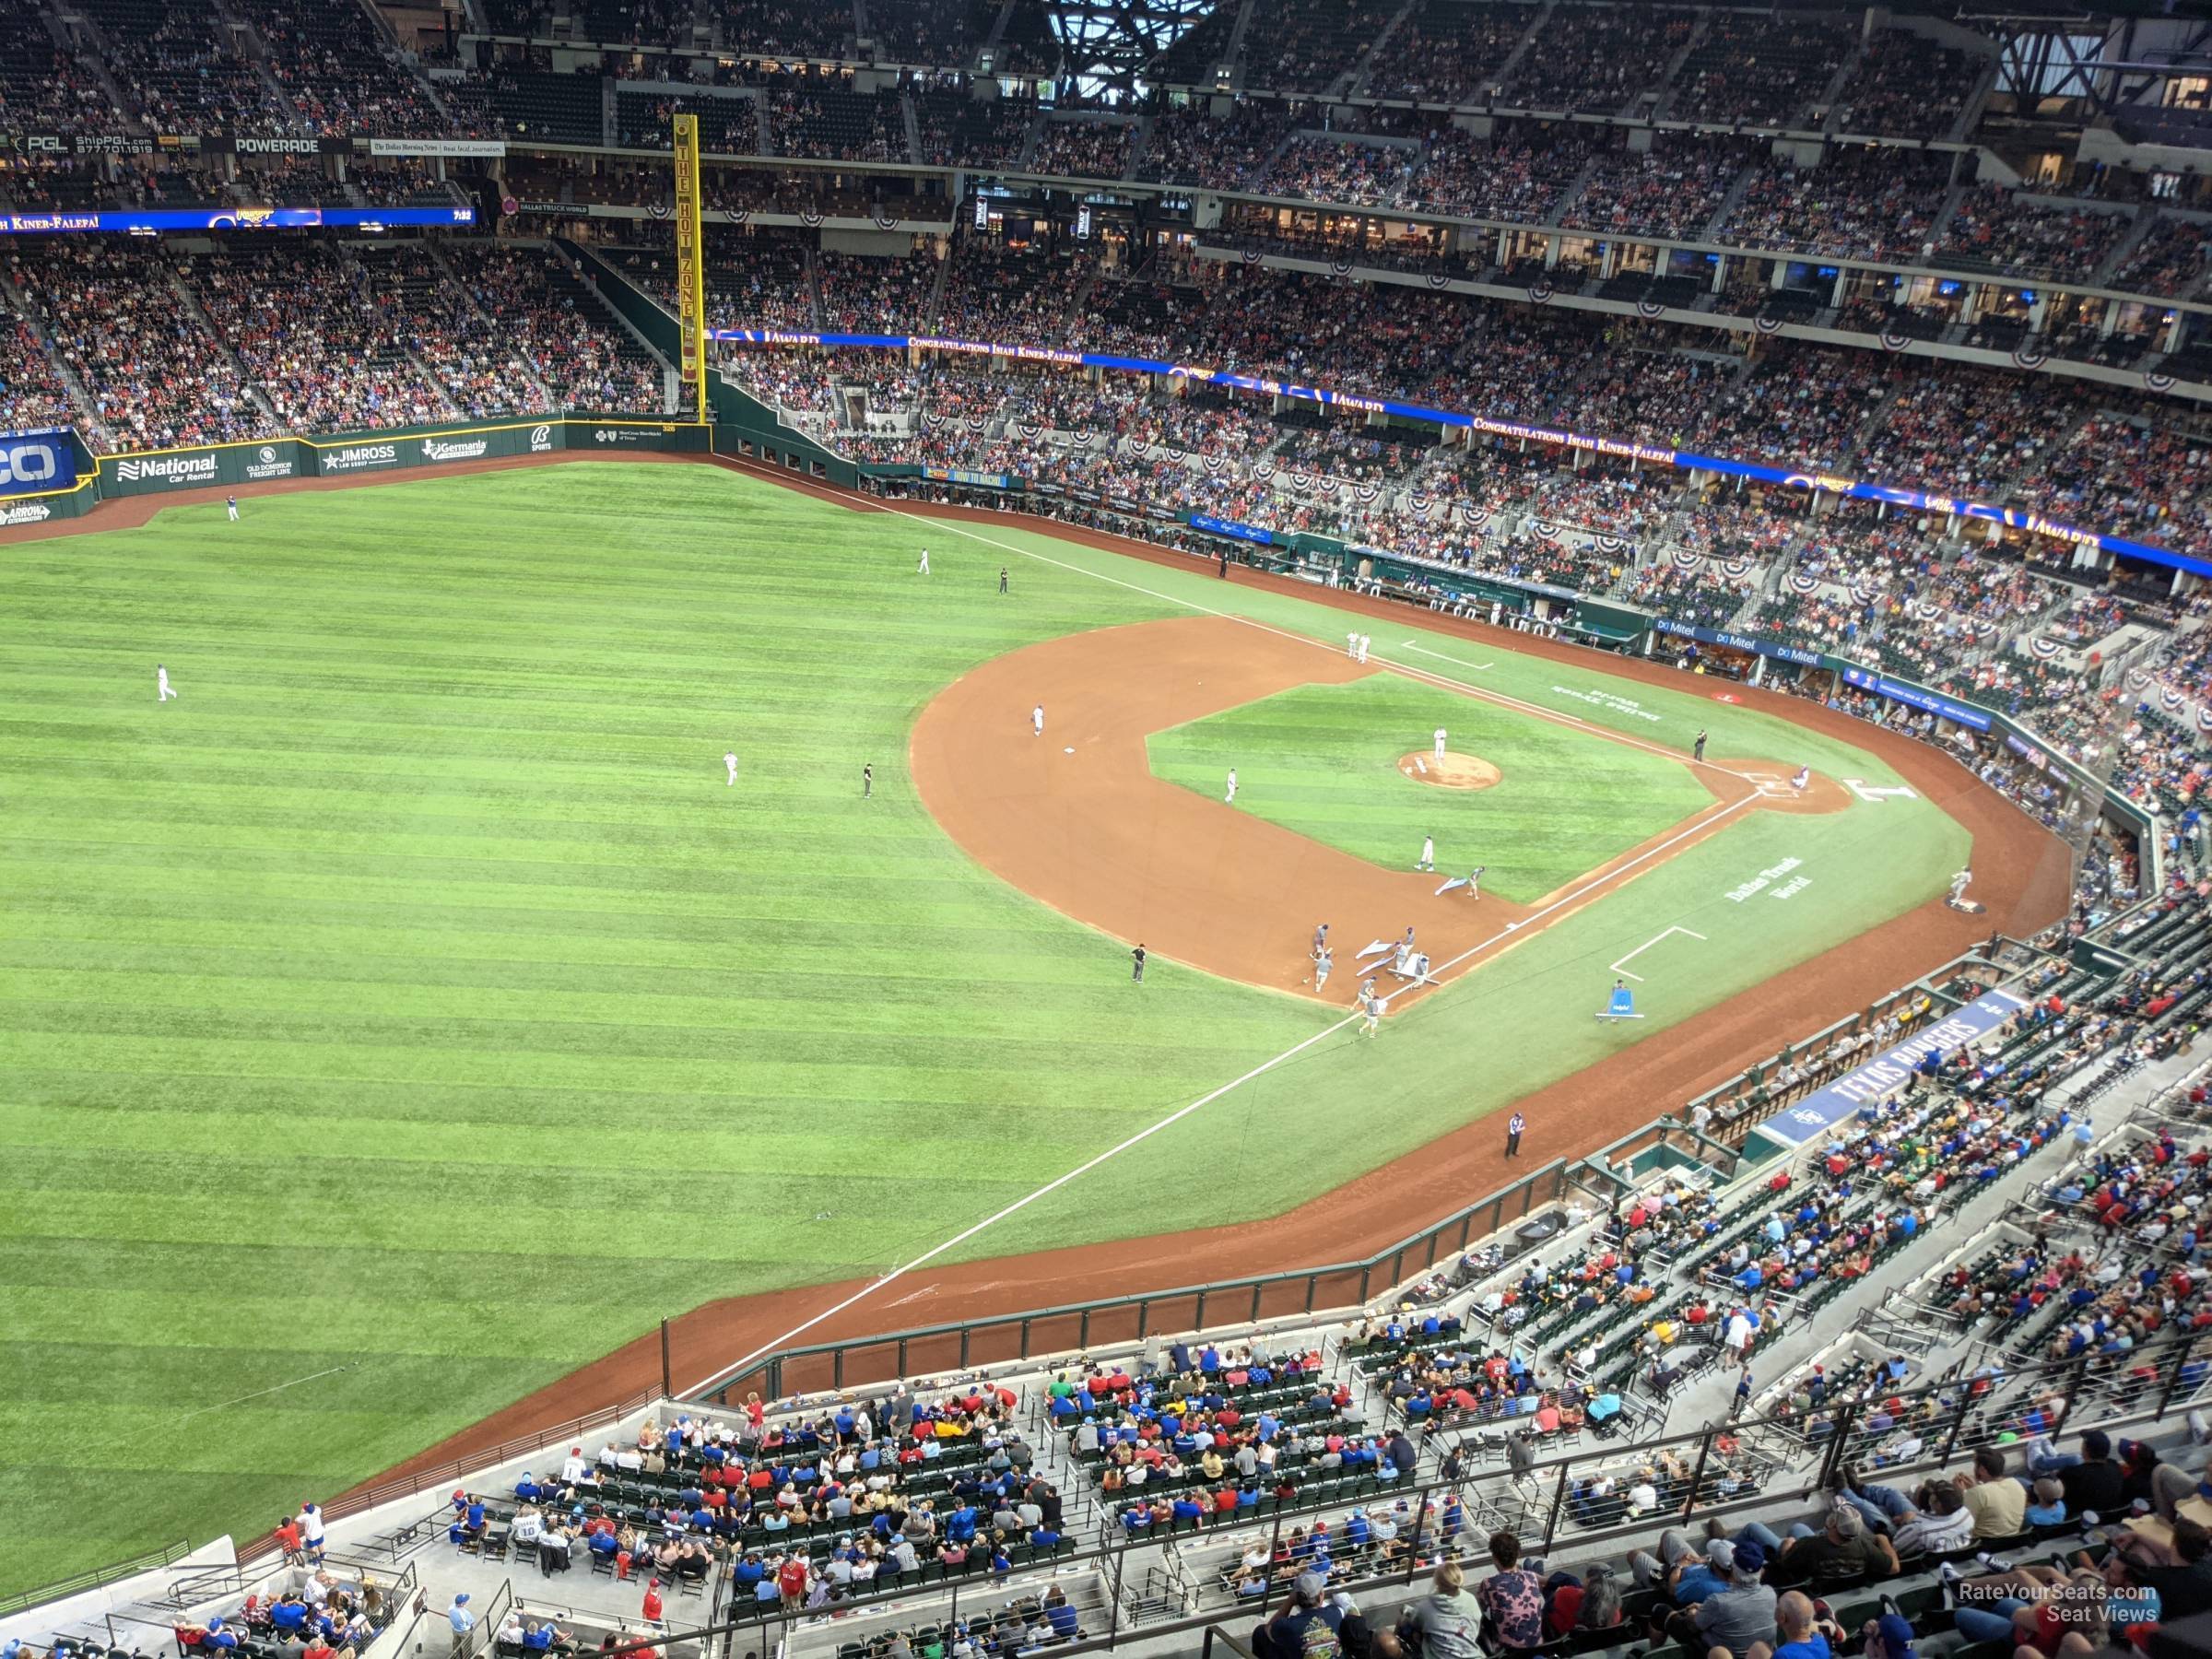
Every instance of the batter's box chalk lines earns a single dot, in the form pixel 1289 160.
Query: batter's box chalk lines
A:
pixel 1620 967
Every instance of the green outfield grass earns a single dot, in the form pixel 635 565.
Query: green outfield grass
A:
pixel 411 1013
pixel 1324 760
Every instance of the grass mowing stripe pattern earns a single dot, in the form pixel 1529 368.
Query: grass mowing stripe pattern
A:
pixel 413 996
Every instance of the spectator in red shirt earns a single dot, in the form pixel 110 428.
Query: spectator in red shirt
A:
pixel 652 1609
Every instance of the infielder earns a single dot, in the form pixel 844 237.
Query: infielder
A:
pixel 730 761
pixel 1002 576
pixel 1428 854
pixel 1805 776
pixel 1231 798
pixel 1351 646
pixel 162 689
pixel 1363 640
pixel 1440 743
pixel 1037 720
pixel 924 569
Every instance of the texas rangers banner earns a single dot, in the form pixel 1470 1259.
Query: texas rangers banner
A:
pixel 1883 1076
pixel 690 266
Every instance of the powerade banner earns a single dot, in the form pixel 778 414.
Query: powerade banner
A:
pixel 144 220
pixel 1916 500
pixel 1824 1109
pixel 1913 696
pixel 1231 527
pixel 1736 642
pixel 37 460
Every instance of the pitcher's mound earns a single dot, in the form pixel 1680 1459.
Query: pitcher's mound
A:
pixel 1454 772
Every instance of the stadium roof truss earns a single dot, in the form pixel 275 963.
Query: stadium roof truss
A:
pixel 1109 44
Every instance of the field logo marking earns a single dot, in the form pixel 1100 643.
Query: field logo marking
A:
pixel 1878 793
pixel 1619 967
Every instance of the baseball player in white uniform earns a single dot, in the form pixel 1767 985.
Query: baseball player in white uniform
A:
pixel 1805 776
pixel 162 689
pixel 1363 648
pixel 1351 646
pixel 730 761
pixel 1037 720
pixel 922 570
pixel 1231 798
pixel 1428 854
pixel 1440 743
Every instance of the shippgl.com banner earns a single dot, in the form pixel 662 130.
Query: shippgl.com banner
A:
pixel 360 454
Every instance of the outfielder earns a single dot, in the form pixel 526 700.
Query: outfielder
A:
pixel 730 761
pixel 231 502
pixel 924 569
pixel 162 689
pixel 1231 798
pixel 1428 854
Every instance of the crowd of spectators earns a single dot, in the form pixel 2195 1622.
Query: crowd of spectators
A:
pixel 1519 174
pixel 1860 202
pixel 1612 53
pixel 154 377
pixel 1672 189
pixel 1021 292
pixel 1085 149
pixel 1191 147
pixel 179 73
pixel 1990 227
pixel 299 321
pixel 2168 261
pixel 1760 69
pixel 340 76
pixel 1907 86
pixel 1446 51
pixel 2130 475
pixel 868 292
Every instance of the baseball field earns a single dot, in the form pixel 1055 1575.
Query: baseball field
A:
pixel 411 1011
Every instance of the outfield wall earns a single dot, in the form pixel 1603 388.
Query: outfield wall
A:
pixel 347 454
